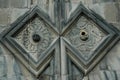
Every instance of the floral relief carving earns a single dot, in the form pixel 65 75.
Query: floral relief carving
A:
pixel 25 37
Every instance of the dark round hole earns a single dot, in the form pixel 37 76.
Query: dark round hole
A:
pixel 83 33
pixel 36 38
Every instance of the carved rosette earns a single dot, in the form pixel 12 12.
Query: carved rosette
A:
pixel 85 36
pixel 35 38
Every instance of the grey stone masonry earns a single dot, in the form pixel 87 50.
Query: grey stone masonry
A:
pixel 11 68
pixel 4 3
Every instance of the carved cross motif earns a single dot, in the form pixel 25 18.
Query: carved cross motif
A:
pixel 80 41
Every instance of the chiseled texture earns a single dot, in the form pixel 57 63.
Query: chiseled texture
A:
pixel 10 10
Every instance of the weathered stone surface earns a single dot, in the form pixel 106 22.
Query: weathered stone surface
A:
pixel 4 3
pixel 10 69
pixel 18 3
pixel 117 25
pixel 112 59
pixel 99 9
pixel 3 71
pixel 4 16
pixel 111 12
pixel 47 6
pixel 17 12
pixel 104 75
pixel 10 10
pixel 108 69
pixel 103 1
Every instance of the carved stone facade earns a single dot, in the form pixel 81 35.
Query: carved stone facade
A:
pixel 87 34
pixel 59 40
pixel 36 29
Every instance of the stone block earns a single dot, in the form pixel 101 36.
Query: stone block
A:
pixel 111 12
pixel 19 3
pixel 17 13
pixel 15 78
pixel 2 66
pixel 4 16
pixel 117 25
pixel 102 1
pixel 99 9
pixel 112 59
pixel 4 3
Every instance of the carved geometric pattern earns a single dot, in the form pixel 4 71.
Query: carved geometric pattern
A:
pixel 25 38
pixel 88 38
pixel 85 37
pixel 74 72
pixel 48 73
pixel 32 40
pixel 95 37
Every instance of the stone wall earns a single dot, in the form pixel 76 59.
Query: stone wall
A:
pixel 10 10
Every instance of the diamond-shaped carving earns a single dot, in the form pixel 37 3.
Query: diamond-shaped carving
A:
pixel 25 38
pixel 34 41
pixel 32 38
pixel 94 37
pixel 88 38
